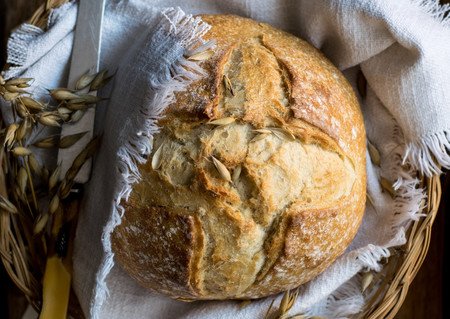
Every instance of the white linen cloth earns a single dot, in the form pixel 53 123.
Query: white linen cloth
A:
pixel 402 48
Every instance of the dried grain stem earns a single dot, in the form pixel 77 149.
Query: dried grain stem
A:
pixel 30 180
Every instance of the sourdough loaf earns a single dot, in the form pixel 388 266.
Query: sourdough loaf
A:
pixel 261 201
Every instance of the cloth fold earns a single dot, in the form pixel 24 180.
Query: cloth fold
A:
pixel 402 49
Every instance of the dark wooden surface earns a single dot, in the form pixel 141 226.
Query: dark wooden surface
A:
pixel 425 296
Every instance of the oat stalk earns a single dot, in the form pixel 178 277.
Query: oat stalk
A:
pixel 30 236
pixel 286 303
pixel 30 180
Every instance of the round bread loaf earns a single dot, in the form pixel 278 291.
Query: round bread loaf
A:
pixel 257 178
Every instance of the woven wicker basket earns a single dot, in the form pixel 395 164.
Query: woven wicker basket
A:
pixel 388 289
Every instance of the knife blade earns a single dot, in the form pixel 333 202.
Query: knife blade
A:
pixel 85 57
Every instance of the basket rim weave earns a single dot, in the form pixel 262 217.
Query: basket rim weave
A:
pixel 388 290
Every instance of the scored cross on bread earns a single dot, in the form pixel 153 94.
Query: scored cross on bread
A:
pixel 257 178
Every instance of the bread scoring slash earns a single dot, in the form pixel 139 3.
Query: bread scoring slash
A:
pixel 259 182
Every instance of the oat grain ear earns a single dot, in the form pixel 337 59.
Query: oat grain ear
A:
pixel 77 115
pixel 236 173
pixel 222 121
pixel 22 179
pixel 84 81
pixel 17 81
pixel 47 142
pixel 50 120
pixel 222 169
pixel 282 134
pixel 54 177
pixel 201 56
pixel 263 131
pixel 157 158
pixel 11 135
pixel 228 85
pixel 374 154
pixel 21 151
pixel 366 280
pixel 6 205
pixel 63 94
pixel 32 104
pixel 259 137
pixel 40 223
pixel 69 140
pixel 36 203
pixel 34 165
pixel 286 303
pixel 100 80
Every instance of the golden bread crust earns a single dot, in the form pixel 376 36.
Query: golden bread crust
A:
pixel 296 136
pixel 173 261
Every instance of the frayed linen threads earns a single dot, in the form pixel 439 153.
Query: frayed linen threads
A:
pixel 172 72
